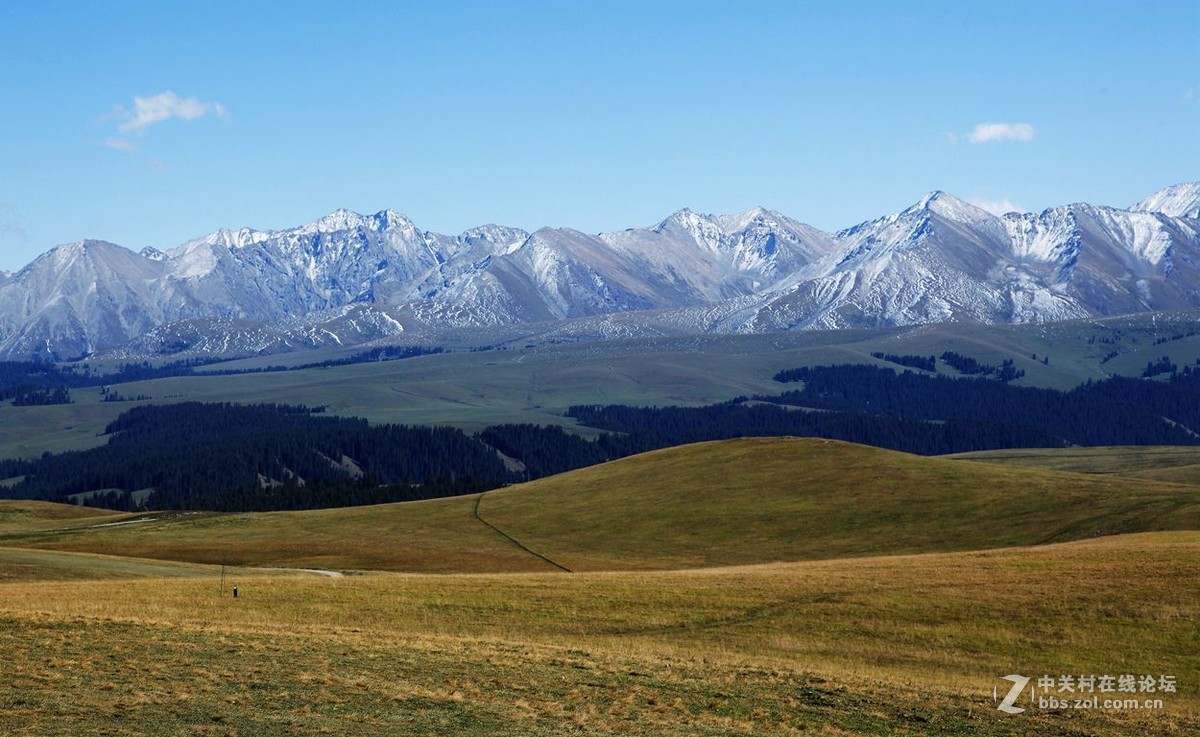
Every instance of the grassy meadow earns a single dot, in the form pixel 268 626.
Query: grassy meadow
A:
pixel 760 586
pixel 898 645
pixel 734 502
pixel 1132 461
pixel 534 378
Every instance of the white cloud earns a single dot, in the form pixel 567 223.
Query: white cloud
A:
pixel 996 207
pixel 989 132
pixel 165 105
pixel 121 144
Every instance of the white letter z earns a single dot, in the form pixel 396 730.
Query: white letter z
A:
pixel 1006 706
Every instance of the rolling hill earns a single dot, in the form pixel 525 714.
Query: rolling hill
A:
pixel 710 504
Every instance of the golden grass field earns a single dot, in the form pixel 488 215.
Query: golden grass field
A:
pixel 746 587
pixel 734 502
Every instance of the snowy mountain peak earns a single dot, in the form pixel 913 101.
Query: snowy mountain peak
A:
pixel 951 208
pixel 386 219
pixel 340 219
pixel 703 229
pixel 929 199
pixel 740 221
pixel 497 235
pixel 1179 201
pixel 152 253
pixel 686 218
pixel 76 249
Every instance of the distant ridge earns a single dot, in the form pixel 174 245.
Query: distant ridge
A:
pixel 348 278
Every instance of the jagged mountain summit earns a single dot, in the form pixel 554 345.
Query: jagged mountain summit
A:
pixel 1178 201
pixel 349 278
pixel 946 260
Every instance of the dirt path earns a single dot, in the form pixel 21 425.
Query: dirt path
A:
pixel 318 571
pixel 511 539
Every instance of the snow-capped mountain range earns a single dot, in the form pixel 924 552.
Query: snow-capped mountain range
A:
pixel 350 278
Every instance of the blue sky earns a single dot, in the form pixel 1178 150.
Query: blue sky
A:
pixel 598 115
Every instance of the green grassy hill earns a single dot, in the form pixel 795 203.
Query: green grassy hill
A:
pixel 1180 465
pixel 710 504
pixel 781 499
pixel 1122 460
pixel 439 536
pixel 52 565
pixel 24 515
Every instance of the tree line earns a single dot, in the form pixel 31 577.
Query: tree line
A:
pixel 29 378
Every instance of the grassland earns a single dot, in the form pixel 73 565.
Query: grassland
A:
pixel 767 499
pixel 535 380
pixel 889 595
pixel 440 536
pixel 726 503
pixel 1177 465
pixel 32 516
pixel 51 565
pixel 901 645
pixel 775 586
pixel 1122 460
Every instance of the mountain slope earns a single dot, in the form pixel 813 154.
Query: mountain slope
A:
pixel 79 297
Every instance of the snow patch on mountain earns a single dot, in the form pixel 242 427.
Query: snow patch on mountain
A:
pixel 1177 201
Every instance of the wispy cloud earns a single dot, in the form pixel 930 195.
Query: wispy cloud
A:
pixel 147 111
pixel 992 132
pixel 994 206
pixel 120 144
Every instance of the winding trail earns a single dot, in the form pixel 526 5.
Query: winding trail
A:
pixel 511 539
pixel 319 572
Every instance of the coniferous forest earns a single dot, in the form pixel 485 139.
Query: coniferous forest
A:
pixel 233 457
pixel 19 378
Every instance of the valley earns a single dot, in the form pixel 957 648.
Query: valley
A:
pixel 528 377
